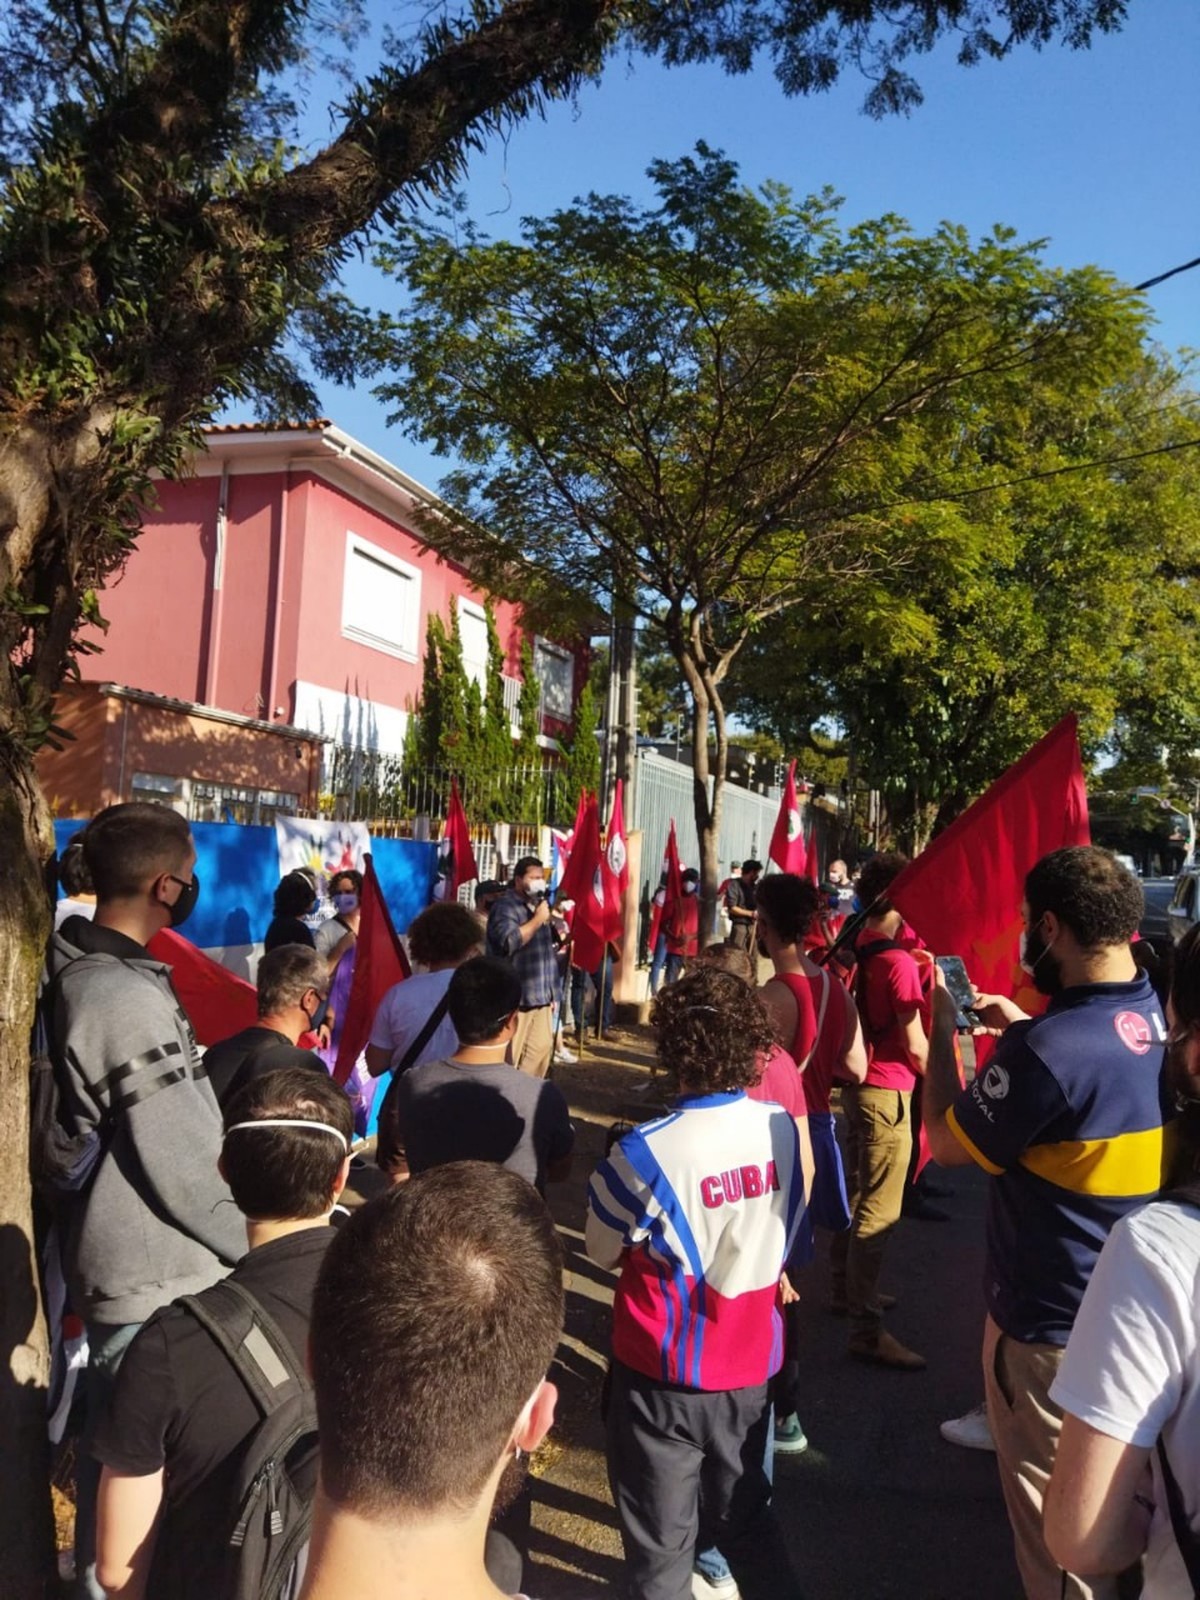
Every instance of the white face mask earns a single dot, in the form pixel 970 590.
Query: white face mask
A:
pixel 534 886
pixel 690 888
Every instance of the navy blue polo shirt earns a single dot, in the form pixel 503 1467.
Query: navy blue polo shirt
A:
pixel 1068 1118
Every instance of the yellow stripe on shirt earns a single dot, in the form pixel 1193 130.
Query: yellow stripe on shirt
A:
pixel 1121 1167
pixel 972 1149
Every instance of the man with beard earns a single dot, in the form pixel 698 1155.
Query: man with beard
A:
pixel 1127 1474
pixel 1067 1118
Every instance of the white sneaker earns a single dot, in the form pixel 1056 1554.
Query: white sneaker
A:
pixel 567 1057
pixel 972 1432
pixel 705 1589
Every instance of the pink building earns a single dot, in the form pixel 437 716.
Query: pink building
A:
pixel 282 588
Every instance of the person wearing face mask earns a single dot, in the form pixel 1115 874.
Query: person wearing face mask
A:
pixel 520 929
pixel 337 941
pixel 293 986
pixel 1067 1117
pixel 681 924
pixel 151 1220
pixel 295 897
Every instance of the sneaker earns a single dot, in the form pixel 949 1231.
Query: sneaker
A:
pixel 971 1432
pixel 567 1057
pixel 884 1350
pixel 790 1439
pixel 713 1588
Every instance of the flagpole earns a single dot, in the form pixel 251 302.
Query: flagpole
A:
pixel 600 994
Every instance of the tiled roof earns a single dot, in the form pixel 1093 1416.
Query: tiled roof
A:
pixel 313 425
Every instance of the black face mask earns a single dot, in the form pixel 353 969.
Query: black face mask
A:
pixel 186 902
pixel 317 1019
pixel 1041 965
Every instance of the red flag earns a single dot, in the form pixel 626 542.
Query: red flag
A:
pixel 583 882
pixel 456 859
pixel 616 869
pixel 787 842
pixel 673 889
pixel 218 1003
pixel 379 962
pixel 567 843
pixel 963 894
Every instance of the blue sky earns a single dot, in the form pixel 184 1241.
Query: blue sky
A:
pixel 1096 151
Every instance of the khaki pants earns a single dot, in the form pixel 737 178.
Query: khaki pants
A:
pixel 1025 1425
pixel 533 1042
pixel 878 1145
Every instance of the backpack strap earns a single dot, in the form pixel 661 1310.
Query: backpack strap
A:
pixel 251 1339
pixel 863 954
pixel 432 1023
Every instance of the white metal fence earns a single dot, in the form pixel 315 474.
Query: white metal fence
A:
pixel 664 791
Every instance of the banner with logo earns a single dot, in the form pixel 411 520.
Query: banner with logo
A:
pixel 320 846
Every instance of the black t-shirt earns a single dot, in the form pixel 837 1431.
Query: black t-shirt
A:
pixel 288 930
pixel 180 1405
pixel 450 1112
pixel 233 1063
pixel 743 896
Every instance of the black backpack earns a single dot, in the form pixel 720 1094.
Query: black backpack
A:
pixel 271 1497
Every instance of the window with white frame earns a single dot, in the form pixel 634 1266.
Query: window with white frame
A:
pixel 381 599
pixel 555 669
pixel 472 627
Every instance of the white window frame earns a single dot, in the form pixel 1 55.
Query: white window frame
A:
pixel 406 647
pixel 477 671
pixel 546 648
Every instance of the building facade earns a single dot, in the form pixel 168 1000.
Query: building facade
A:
pixel 275 607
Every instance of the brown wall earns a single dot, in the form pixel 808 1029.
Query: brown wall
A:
pixel 114 738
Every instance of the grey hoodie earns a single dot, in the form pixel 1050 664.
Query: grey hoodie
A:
pixel 157 1220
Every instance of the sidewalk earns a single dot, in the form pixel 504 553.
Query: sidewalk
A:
pixel 879 1507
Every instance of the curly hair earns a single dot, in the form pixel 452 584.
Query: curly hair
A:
pixel 711 1029
pixel 443 933
pixel 877 877
pixel 1088 889
pixel 791 904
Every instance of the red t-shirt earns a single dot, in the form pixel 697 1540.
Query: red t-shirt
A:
pixel 824 1053
pixel 781 1083
pixel 890 984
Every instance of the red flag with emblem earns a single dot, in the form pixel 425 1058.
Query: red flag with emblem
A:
pixel 455 859
pixel 787 842
pixel 217 1002
pixel 963 894
pixel 379 962
pixel 583 882
pixel 616 869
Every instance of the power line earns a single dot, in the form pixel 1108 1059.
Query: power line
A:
pixel 1151 283
pixel 1051 472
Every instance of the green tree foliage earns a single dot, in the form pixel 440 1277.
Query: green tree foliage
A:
pixel 582 768
pixel 1080 591
pixel 713 408
pixel 163 245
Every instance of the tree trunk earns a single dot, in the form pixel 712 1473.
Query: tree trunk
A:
pixel 26 1526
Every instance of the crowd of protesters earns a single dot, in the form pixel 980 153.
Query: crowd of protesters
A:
pixel 284 1398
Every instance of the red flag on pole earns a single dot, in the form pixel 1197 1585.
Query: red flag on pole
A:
pixel 673 889
pixel 963 894
pixel 218 1003
pixel 379 962
pixel 567 844
pixel 456 859
pixel 583 882
pixel 616 869
pixel 787 842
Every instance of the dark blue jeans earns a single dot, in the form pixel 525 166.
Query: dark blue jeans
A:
pixel 578 984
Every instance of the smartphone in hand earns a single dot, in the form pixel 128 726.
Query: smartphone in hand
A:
pixel 960 990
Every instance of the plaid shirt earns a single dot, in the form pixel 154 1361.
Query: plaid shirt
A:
pixel 536 962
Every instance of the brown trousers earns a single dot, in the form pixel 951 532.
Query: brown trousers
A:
pixel 878 1145
pixel 533 1042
